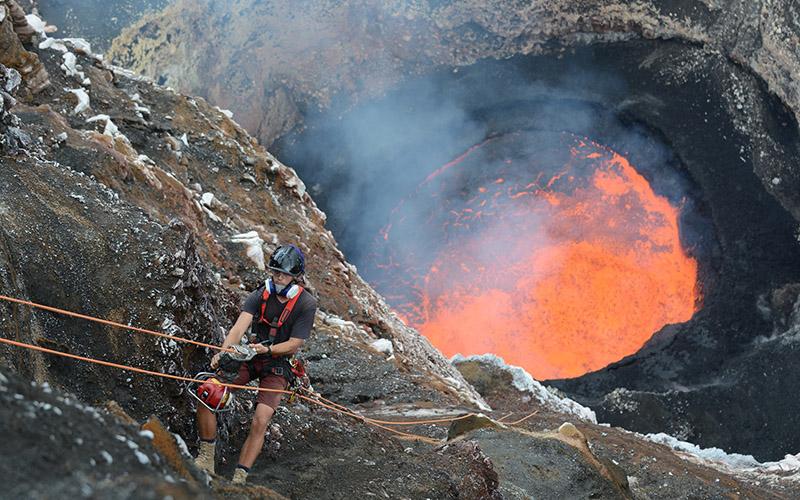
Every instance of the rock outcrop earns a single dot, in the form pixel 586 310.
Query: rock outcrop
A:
pixel 14 30
pixel 739 125
pixel 107 211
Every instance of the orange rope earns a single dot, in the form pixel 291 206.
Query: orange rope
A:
pixel 180 339
pixel 523 419
pixel 111 323
pixel 377 423
pixel 504 417
pixel 125 367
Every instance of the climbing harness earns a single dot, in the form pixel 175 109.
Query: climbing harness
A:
pixel 266 332
pixel 287 310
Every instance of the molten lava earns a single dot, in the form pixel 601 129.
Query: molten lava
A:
pixel 561 274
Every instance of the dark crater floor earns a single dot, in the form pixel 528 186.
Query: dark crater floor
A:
pixel 667 107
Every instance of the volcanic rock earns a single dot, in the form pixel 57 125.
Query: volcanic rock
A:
pixel 109 222
pixel 715 80
pixel 598 459
pixel 21 27
pixel 81 450
pixel 14 30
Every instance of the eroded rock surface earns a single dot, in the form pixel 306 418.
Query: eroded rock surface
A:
pixel 745 52
pixel 81 450
pixel 259 65
pixel 556 452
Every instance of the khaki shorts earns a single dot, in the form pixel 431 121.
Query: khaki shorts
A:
pixel 267 381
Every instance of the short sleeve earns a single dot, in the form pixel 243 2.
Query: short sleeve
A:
pixel 252 304
pixel 301 329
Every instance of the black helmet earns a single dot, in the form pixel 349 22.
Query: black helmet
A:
pixel 288 259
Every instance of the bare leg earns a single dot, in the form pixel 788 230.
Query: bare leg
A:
pixel 206 423
pixel 255 440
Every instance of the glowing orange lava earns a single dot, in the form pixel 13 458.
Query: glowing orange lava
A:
pixel 574 272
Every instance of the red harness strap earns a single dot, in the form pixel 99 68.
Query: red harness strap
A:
pixel 287 310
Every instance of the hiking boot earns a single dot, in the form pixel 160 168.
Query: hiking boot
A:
pixel 205 457
pixel 239 476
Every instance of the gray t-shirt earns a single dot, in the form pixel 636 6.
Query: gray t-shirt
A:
pixel 297 325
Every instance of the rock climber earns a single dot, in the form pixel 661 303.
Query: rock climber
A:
pixel 280 315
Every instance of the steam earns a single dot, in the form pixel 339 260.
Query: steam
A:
pixel 412 179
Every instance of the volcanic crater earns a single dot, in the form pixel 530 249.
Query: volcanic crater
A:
pixel 368 100
pixel 403 176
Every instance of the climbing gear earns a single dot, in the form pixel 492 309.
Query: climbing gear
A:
pixel 287 310
pixel 231 361
pixel 298 368
pixel 300 380
pixel 287 259
pixel 311 397
pixel 205 456
pixel 107 322
pixel 239 476
pixel 211 393
pixel 280 366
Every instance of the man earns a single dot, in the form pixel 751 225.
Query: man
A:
pixel 281 313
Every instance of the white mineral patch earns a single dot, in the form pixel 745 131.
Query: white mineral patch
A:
pixel 78 44
pixel 53 44
pixel 776 181
pixel 110 129
pixel 207 199
pixel 225 112
pixel 70 66
pixel 60 44
pixel 211 215
pixel 254 243
pixel 788 468
pixel 35 22
pixel 141 110
pixel 383 345
pixel 523 381
pixel 143 459
pixel 83 100
pixel 182 445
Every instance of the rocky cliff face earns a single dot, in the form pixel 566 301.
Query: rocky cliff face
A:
pixel 269 77
pixel 718 80
pixel 124 203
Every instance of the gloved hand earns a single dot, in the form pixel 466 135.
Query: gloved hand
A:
pixel 215 360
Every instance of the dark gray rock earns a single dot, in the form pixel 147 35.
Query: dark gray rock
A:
pixel 81 450
pixel 533 467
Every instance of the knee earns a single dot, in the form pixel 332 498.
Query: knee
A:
pixel 260 423
pixel 261 420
